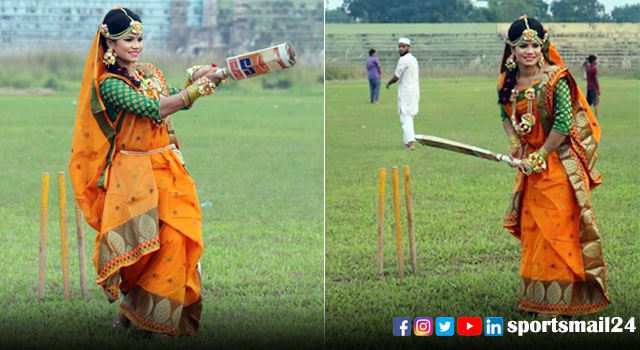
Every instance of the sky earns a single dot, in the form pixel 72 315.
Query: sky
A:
pixel 608 4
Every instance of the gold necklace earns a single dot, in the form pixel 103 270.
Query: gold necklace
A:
pixel 533 77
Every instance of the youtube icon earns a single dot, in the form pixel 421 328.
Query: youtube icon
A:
pixel 469 325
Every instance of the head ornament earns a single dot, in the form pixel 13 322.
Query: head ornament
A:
pixel 135 27
pixel 528 35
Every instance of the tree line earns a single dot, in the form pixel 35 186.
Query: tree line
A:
pixel 456 11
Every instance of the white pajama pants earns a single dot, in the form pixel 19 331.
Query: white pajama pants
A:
pixel 407 128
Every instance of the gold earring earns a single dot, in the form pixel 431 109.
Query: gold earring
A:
pixel 541 61
pixel 510 62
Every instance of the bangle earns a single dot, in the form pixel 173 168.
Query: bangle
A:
pixel 184 101
pixel 514 139
pixel 192 91
pixel 514 142
pixel 543 153
pixel 202 87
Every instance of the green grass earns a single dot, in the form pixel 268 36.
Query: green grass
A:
pixel 467 264
pixel 257 155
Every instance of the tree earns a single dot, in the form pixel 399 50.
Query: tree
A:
pixel 626 13
pixel 510 10
pixel 398 11
pixel 578 11
pixel 337 16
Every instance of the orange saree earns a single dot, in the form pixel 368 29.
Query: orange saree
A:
pixel 129 179
pixel 562 268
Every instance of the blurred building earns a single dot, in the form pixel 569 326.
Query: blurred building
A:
pixel 187 27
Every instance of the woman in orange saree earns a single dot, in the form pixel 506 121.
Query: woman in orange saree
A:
pixel 550 127
pixel 130 181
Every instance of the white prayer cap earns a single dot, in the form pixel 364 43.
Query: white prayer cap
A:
pixel 404 41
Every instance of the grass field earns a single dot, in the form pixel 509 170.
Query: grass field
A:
pixel 256 155
pixel 467 264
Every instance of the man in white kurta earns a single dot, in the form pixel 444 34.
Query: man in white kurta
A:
pixel 408 90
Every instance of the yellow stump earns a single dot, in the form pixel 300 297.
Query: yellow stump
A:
pixel 382 179
pixel 396 207
pixel 412 237
pixel 81 252
pixel 44 205
pixel 62 202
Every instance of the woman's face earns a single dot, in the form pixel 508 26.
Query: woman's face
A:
pixel 527 53
pixel 127 49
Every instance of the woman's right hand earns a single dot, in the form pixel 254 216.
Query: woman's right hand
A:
pixel 516 153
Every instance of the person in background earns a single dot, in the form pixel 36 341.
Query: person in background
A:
pixel 593 88
pixel 585 66
pixel 374 72
pixel 408 90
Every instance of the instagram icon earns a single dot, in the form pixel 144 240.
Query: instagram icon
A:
pixel 422 326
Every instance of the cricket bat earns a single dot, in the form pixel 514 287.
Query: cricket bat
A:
pixel 458 147
pixel 260 62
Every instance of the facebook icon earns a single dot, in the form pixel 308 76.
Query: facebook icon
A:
pixel 493 326
pixel 402 326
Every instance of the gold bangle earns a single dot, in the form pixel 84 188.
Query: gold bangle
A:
pixel 543 153
pixel 514 140
pixel 192 91
pixel 184 101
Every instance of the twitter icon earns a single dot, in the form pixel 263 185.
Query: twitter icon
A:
pixel 444 326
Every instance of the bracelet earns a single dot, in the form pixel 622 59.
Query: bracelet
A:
pixel 184 101
pixel 514 142
pixel 543 153
pixel 202 87
pixel 538 160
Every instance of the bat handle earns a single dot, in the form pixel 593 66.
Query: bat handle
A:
pixel 508 159
pixel 514 162
pixel 226 74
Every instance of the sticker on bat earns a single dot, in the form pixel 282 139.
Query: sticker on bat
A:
pixel 235 70
pixel 261 64
pixel 247 68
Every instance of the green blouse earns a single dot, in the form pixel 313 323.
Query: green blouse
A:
pixel 562 110
pixel 118 95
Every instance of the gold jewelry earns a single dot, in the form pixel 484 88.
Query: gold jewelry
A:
pixel 192 91
pixel 541 61
pixel 514 141
pixel 202 87
pixel 134 27
pixel 184 101
pixel 543 153
pixel 510 62
pixel 528 35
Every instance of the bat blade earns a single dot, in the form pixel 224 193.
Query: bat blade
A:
pixel 260 62
pixel 458 147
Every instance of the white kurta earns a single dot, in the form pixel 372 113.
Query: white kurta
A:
pixel 409 85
